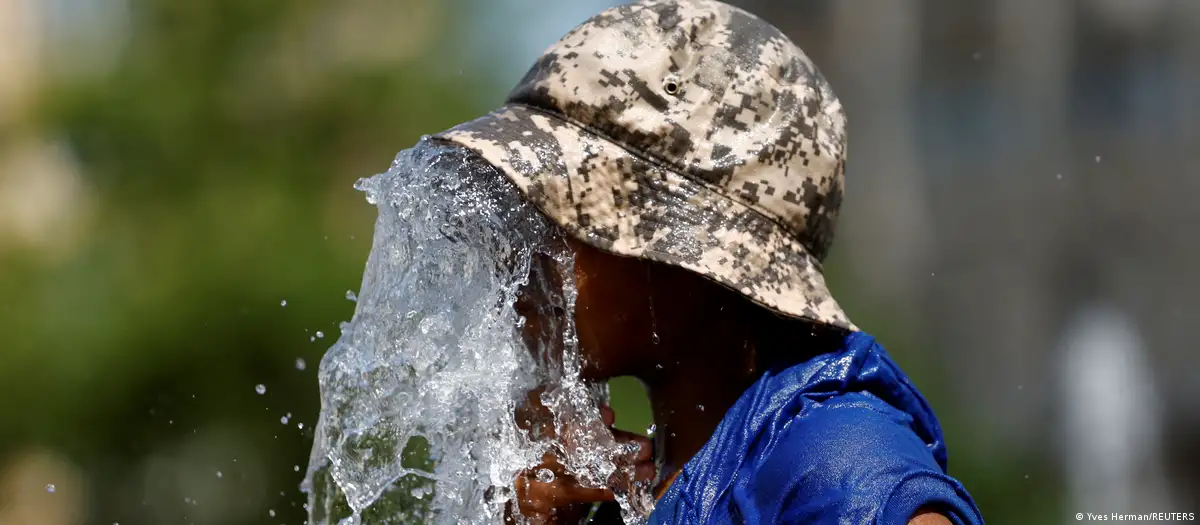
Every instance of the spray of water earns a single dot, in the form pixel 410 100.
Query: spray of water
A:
pixel 419 392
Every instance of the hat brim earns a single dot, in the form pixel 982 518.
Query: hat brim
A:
pixel 623 203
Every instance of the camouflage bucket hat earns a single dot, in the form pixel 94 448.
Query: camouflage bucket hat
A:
pixel 685 132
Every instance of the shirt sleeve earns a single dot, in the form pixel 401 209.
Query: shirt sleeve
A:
pixel 851 459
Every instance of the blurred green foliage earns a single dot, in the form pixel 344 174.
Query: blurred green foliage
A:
pixel 221 186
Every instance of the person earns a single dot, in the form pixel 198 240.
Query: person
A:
pixel 695 157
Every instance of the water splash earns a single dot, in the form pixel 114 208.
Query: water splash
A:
pixel 419 392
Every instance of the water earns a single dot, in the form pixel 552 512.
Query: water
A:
pixel 419 392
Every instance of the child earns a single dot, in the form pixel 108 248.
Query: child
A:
pixel 696 156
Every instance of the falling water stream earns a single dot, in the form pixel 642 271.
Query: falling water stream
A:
pixel 418 394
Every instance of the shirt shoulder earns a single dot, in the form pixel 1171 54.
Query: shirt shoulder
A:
pixel 850 459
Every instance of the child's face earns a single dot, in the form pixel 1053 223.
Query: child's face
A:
pixel 616 313
pixel 627 312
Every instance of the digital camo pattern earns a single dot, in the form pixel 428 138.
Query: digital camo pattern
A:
pixel 686 132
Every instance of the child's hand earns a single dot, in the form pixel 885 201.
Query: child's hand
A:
pixel 559 499
pixel 547 494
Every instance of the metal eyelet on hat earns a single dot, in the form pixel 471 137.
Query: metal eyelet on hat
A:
pixel 672 86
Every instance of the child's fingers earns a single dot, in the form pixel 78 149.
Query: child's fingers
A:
pixel 645 471
pixel 607 415
pixel 645 447
pixel 550 462
pixel 540 500
pixel 534 417
pixel 638 466
pixel 574 493
pixel 541 495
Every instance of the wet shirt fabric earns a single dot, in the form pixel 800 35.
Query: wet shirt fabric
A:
pixel 843 438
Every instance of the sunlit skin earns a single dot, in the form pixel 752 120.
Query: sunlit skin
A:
pixel 695 345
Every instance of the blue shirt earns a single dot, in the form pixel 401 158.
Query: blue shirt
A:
pixel 843 438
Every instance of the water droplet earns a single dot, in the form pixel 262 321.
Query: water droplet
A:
pixel 658 366
pixel 220 475
pixel 271 512
pixel 300 426
pixel 654 337
pixel 700 408
pixel 976 56
pixel 260 388
pixel 283 302
pixel 311 339
pixel 1058 176
pixel 1027 476
pixel 1020 387
pixel 320 334
pixel 284 419
pixel 300 364
pixel 545 476
pixel 650 429
pixel 50 488
pixel 296 468
pixel 350 296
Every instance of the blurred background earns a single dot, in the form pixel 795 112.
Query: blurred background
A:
pixel 178 232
